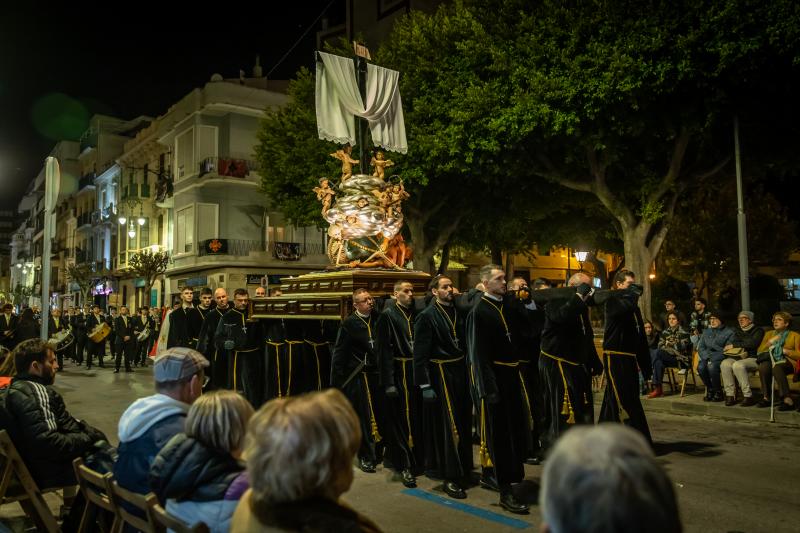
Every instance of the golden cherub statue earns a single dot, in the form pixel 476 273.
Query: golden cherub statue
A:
pixel 324 194
pixel 343 155
pixel 380 164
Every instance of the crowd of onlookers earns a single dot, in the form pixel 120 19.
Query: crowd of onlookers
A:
pixel 727 355
pixel 210 458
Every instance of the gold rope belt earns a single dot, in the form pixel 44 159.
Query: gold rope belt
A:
pixel 453 427
pixel 235 360
pixel 372 421
pixel 316 345
pixel 623 414
pixel 403 361
pixel 514 364
pixel 566 407
pixel 277 345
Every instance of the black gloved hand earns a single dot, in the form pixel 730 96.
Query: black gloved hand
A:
pixel 633 288
pixel 392 392
pixel 428 395
pixel 583 290
pixel 492 398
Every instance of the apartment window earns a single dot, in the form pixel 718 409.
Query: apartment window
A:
pixel 144 234
pixel 184 150
pixel 207 222
pixel 184 230
pixel 206 142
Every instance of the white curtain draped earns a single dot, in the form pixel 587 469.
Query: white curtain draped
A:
pixel 338 99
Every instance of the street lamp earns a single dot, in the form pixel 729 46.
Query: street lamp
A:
pixel 581 257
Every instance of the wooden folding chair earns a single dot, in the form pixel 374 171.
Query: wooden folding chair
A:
pixel 690 372
pixel 95 490
pixel 162 521
pixel 123 500
pixel 670 378
pixel 17 485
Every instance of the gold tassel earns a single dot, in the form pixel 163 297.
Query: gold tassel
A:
pixel 373 423
pixel 566 408
pixel 483 451
pixel 623 414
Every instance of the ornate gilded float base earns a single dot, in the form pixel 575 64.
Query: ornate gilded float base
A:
pixel 328 295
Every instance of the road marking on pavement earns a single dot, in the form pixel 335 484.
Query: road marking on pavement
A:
pixel 466 508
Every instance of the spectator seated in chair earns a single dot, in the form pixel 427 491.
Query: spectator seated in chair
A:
pixel 199 473
pixel 710 349
pixel 47 436
pixel 740 359
pixel 778 357
pixel 300 452
pixel 673 350
pixel 150 422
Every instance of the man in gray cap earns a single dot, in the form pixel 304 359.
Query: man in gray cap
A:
pixel 147 425
pixel 740 360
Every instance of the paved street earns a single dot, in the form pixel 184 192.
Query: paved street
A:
pixel 730 475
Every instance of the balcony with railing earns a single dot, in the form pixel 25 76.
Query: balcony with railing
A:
pixel 135 190
pixel 102 216
pixel 84 220
pixel 228 167
pixel 87 180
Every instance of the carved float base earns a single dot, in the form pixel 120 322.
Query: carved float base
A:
pixel 328 295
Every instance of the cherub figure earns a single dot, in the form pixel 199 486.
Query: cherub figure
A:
pixel 324 194
pixel 384 197
pixel 396 194
pixel 362 202
pixel 380 164
pixel 343 155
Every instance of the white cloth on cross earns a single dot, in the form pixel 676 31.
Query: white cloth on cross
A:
pixel 338 99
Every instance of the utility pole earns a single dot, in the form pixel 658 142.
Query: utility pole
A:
pixel 52 184
pixel 744 272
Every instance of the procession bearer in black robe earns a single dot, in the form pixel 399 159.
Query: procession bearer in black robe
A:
pixel 567 361
pixel 242 342
pixel 625 346
pixel 184 323
pixel 354 370
pixel 492 329
pixel 395 337
pixel 207 345
pixel 440 370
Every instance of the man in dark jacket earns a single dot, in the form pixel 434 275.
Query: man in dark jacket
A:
pixel 47 437
pixel 147 425
pixel 8 326
pixel 125 340
pixel 740 359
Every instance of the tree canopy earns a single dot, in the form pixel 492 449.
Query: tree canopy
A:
pixel 525 118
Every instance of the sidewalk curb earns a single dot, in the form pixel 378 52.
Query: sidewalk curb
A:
pixel 688 405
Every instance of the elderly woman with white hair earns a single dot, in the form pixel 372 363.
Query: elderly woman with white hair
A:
pixel 606 479
pixel 199 473
pixel 300 452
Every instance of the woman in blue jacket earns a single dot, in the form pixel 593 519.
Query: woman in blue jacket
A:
pixel 199 474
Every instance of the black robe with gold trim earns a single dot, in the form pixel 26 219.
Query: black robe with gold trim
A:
pixel 624 349
pixel 355 344
pixel 402 414
pixel 440 363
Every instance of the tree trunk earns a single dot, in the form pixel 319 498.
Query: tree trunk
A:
pixel 497 255
pixel 423 254
pixel 445 262
pixel 638 260
pixel 425 246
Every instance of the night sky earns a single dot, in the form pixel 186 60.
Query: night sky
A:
pixel 127 60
